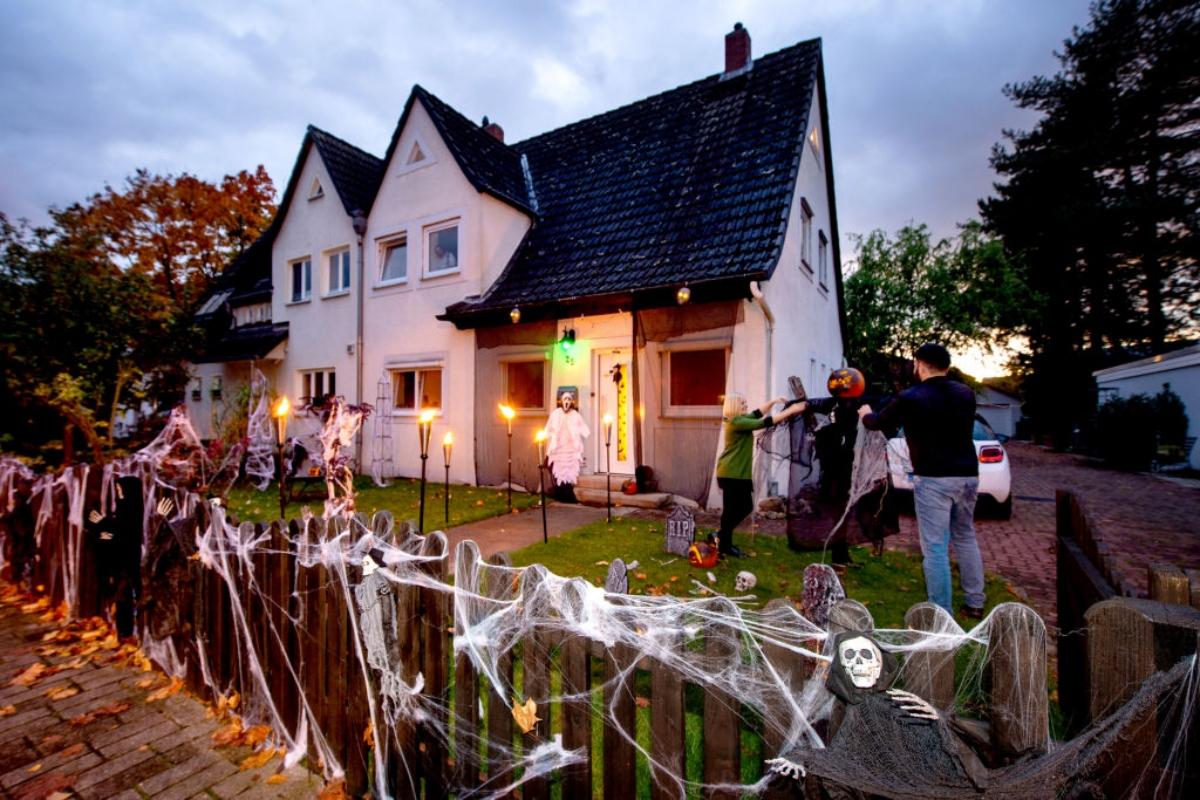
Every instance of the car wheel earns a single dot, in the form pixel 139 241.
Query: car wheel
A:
pixel 1004 510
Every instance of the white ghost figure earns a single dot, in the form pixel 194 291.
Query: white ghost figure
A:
pixel 745 581
pixel 862 661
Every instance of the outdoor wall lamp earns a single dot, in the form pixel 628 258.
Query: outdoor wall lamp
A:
pixel 683 295
pixel 515 315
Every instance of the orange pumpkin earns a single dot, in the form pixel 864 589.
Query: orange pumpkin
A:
pixel 846 382
pixel 703 555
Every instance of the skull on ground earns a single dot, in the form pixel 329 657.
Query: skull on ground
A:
pixel 745 581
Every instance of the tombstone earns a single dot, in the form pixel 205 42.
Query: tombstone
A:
pixel 821 590
pixel 617 581
pixel 681 531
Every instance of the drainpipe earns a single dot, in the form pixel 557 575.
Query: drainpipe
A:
pixel 359 221
pixel 756 293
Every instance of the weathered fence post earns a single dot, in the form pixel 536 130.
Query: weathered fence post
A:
pixel 667 730
pixel 1017 661
pixel 577 712
pixel 500 719
pixel 930 673
pixel 434 664
pixel 1168 584
pixel 466 678
pixel 722 717
pixel 794 669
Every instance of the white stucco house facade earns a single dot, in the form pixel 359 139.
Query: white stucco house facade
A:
pixel 649 259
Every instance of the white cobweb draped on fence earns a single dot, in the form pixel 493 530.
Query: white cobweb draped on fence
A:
pixel 723 645
pixel 260 438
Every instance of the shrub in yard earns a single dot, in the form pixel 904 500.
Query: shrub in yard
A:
pixel 1127 432
pixel 1171 417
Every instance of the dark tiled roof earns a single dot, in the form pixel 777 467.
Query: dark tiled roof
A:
pixel 245 343
pixel 490 165
pixel 356 173
pixel 690 186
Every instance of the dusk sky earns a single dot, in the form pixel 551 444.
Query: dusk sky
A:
pixel 93 91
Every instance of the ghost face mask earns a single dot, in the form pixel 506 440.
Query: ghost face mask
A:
pixel 567 401
pixel 861 660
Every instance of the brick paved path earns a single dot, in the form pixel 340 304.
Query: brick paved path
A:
pixel 157 749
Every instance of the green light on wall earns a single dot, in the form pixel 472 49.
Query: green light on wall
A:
pixel 568 340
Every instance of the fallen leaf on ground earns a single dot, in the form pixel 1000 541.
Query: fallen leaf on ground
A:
pixel 62 692
pixel 258 759
pixel 34 768
pixel 8 710
pixel 58 796
pixel 145 683
pixel 369 733
pixel 104 711
pixel 228 735
pixel 72 751
pixel 45 785
pixel 335 790
pixel 50 741
pixel 29 675
pixel 162 694
pixel 277 779
pixel 642 702
pixel 256 735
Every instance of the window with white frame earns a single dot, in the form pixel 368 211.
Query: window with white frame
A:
pixel 317 384
pixel 525 383
pixel 823 260
pixel 695 380
pixel 197 389
pixel 394 258
pixel 806 231
pixel 251 314
pixel 315 190
pixel 416 389
pixel 338 271
pixel 441 251
pixel 301 280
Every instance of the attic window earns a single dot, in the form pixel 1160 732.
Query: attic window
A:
pixel 316 191
pixel 415 155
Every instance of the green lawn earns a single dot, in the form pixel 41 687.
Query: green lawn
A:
pixel 402 498
pixel 888 585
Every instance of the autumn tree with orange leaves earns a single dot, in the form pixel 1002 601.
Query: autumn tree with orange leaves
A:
pixel 98 305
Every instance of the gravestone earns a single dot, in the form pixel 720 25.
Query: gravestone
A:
pixel 617 581
pixel 821 590
pixel 681 531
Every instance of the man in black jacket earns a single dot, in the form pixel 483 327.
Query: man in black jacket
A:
pixel 938 416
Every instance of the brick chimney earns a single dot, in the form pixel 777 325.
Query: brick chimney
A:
pixel 737 49
pixel 494 129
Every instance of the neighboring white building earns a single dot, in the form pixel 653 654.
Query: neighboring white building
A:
pixel 1001 409
pixel 651 258
pixel 1179 370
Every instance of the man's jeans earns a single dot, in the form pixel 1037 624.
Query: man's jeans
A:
pixel 945 514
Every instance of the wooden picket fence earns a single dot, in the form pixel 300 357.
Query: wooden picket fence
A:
pixel 298 622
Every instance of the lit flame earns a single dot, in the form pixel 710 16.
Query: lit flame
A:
pixel 281 408
pixel 540 436
pixel 426 417
pixel 507 411
pixel 608 419
pixel 448 439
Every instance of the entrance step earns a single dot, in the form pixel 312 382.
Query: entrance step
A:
pixel 598 497
pixel 597 481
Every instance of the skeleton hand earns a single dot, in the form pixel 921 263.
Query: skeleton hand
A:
pixel 788 769
pixel 94 517
pixel 912 705
pixel 165 506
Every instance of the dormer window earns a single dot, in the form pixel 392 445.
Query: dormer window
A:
pixel 316 191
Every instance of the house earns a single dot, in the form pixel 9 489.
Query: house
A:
pixel 1178 370
pixel 651 259
pixel 1000 407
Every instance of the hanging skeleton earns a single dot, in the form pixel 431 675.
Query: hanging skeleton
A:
pixel 381 637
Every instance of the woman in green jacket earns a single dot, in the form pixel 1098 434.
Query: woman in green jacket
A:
pixel 735 463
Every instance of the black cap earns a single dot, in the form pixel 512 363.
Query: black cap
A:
pixel 934 355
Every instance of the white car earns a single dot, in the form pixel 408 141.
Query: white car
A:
pixel 995 476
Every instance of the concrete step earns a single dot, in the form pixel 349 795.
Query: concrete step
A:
pixel 596 481
pixel 597 497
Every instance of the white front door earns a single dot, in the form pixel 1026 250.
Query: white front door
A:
pixel 614 396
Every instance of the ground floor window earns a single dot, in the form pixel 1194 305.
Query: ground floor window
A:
pixel 525 384
pixel 317 384
pixel 695 379
pixel 417 388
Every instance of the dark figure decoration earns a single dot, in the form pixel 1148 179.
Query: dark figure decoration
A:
pixel 167 598
pixel 116 541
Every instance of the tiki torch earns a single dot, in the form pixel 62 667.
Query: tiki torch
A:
pixel 540 439
pixel 508 414
pixel 280 412
pixel 447 445
pixel 608 421
pixel 424 430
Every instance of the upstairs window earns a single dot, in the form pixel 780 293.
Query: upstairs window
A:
pixel 442 249
pixel 395 261
pixel 417 389
pixel 339 271
pixel 823 261
pixel 301 280
pixel 317 384
pixel 806 235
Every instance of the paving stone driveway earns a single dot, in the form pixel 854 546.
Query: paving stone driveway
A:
pixel 161 749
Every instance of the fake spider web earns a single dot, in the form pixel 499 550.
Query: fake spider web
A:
pixel 771 663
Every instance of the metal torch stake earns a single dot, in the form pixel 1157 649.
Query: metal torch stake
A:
pixel 447 492
pixel 282 481
pixel 608 474
pixel 424 431
pixel 542 486
pixel 510 466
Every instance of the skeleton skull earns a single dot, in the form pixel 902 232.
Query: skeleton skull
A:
pixel 369 565
pixel 745 581
pixel 862 661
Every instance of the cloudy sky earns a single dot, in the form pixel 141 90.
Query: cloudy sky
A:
pixel 92 91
